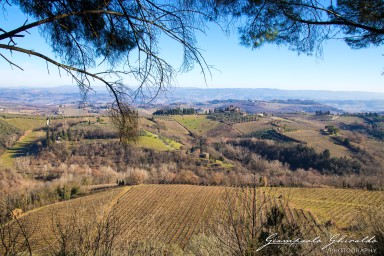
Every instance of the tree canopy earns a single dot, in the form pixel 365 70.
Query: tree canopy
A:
pixel 123 35
pixel 304 25
pixel 83 32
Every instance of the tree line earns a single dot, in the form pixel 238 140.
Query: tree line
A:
pixel 175 111
pixel 232 117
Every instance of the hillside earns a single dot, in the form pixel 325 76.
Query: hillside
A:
pixel 173 214
pixel 176 141
pixel 304 165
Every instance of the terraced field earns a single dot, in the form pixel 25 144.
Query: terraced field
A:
pixel 173 213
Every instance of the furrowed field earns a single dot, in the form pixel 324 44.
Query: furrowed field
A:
pixel 173 214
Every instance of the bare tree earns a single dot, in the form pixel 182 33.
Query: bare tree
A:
pixel 250 217
pixel 15 232
pixel 239 225
pixel 84 231
pixel 125 119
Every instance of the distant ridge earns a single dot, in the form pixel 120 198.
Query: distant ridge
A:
pixel 270 94
pixel 226 93
pixel 350 101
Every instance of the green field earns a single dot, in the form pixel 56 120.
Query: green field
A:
pixel 198 124
pixel 26 124
pixel 171 143
pixel 21 148
pixel 155 142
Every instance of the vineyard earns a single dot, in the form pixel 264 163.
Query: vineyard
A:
pixel 343 207
pixel 172 214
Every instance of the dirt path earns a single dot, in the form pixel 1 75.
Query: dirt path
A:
pixel 26 133
pixel 234 128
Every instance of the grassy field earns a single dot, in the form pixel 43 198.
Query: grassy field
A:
pixel 21 148
pixel 26 124
pixel 198 124
pixel 174 213
pixel 171 143
pixel 153 141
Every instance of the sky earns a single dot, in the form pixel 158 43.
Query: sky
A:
pixel 339 69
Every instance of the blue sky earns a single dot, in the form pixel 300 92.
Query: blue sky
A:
pixel 339 69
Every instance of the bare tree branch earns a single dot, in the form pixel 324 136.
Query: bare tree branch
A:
pixel 10 62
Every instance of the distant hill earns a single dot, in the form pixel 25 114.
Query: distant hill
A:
pixel 351 101
pixel 272 106
pixel 270 94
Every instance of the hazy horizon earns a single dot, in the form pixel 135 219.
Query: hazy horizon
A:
pixel 98 87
